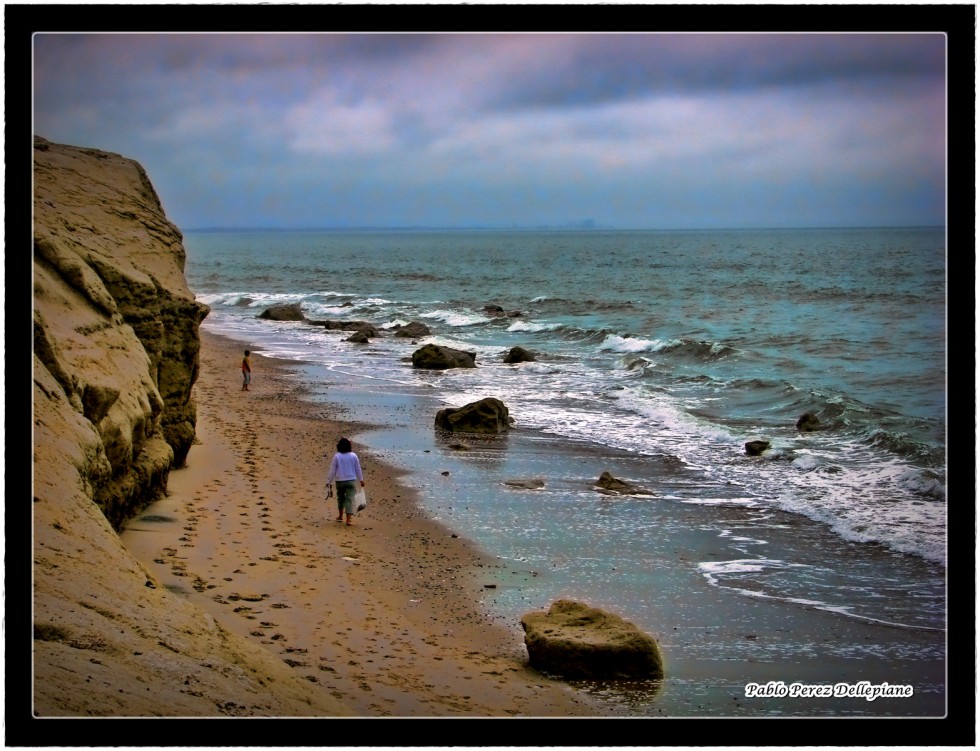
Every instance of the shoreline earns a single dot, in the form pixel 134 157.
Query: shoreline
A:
pixel 246 533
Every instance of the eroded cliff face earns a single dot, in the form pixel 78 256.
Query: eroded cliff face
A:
pixel 115 324
pixel 116 354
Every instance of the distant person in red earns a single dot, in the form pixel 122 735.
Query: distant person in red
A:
pixel 246 371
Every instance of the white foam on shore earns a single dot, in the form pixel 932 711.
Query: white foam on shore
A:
pixel 456 318
pixel 532 327
pixel 634 344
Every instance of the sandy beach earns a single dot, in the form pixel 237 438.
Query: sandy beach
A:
pixel 384 614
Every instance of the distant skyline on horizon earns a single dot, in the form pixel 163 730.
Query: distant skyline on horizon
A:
pixel 642 130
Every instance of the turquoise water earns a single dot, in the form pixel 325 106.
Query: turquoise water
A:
pixel 659 354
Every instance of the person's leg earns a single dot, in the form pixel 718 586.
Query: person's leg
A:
pixel 345 498
pixel 349 502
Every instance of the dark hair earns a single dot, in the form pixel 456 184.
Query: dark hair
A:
pixel 343 446
pixel 246 352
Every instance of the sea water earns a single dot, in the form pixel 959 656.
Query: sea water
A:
pixel 658 355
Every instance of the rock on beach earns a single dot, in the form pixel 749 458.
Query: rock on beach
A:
pixel 288 312
pixel 484 416
pixel 575 640
pixel 436 357
pixel 610 485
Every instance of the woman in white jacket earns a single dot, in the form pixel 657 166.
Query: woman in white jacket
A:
pixel 345 468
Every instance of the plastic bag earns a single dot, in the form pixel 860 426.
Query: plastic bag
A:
pixel 360 500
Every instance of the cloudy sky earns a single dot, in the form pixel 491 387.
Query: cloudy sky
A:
pixel 625 130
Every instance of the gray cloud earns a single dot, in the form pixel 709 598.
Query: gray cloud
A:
pixel 627 129
pixel 603 67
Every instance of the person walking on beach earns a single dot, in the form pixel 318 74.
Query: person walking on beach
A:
pixel 345 468
pixel 246 371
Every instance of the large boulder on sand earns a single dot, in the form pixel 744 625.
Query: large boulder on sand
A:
pixel 485 416
pixel 435 357
pixel 575 640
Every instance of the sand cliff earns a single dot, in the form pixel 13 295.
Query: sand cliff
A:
pixel 116 354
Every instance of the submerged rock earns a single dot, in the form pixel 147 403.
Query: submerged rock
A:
pixel 808 422
pixel 534 483
pixel 357 326
pixel 412 330
pixel 756 448
pixel 575 640
pixel 497 311
pixel 519 354
pixel 612 486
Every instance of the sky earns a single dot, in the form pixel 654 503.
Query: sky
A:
pixel 618 130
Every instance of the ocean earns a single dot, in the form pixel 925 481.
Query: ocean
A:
pixel 658 355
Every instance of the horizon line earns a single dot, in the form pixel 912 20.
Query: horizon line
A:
pixel 555 227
